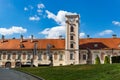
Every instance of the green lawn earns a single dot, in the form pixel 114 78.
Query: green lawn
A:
pixel 78 72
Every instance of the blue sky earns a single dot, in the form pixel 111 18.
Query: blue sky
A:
pixel 45 18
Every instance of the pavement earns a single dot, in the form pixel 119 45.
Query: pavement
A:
pixel 9 74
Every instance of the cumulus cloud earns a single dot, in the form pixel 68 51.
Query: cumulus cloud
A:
pixel 56 31
pixel 12 30
pixel 53 32
pixel 106 32
pixel 60 17
pixel 117 23
pixel 34 18
pixel 41 6
pixel 82 35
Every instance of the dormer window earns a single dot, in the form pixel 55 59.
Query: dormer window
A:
pixel 95 45
pixel 71 29
pixel 22 46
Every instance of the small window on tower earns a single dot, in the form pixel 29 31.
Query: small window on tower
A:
pixel 71 37
pixel 71 29
pixel 71 45
pixel 71 55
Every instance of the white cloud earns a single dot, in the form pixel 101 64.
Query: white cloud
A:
pixel 56 31
pixel 116 23
pixel 34 18
pixel 60 17
pixel 12 30
pixel 41 6
pixel 25 9
pixel 82 35
pixel 53 32
pixel 39 11
pixel 106 32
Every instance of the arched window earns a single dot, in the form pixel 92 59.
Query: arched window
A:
pixel 71 45
pixel 71 37
pixel 71 55
pixel 71 29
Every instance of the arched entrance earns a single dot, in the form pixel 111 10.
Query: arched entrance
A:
pixel 18 64
pixel 8 65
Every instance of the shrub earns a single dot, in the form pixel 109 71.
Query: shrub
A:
pixel 97 60
pixel 107 60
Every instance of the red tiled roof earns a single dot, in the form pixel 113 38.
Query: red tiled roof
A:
pixel 41 44
pixel 103 43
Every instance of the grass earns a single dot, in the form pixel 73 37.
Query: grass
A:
pixel 77 72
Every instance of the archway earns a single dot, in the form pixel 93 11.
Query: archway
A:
pixel 8 65
pixel 18 64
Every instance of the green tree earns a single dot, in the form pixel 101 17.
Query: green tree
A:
pixel 97 60
pixel 107 60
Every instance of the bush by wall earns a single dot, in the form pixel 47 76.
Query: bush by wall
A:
pixel 107 60
pixel 97 60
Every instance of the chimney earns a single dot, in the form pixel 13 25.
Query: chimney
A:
pixel 114 36
pixel 60 36
pixel 31 38
pixel 21 40
pixel 88 36
pixel 3 38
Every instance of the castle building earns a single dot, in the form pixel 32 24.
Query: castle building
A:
pixel 57 52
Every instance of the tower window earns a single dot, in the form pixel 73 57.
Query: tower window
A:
pixel 71 29
pixel 71 37
pixel 71 55
pixel 71 45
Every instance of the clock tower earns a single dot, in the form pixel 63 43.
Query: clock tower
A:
pixel 72 39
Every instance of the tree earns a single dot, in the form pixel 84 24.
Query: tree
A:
pixel 97 60
pixel 107 60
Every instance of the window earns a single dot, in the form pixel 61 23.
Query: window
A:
pixel 22 46
pixel 60 57
pixel 9 56
pixel 71 55
pixel 29 56
pixel 95 45
pixel 84 57
pixel 39 56
pixel 71 29
pixel 71 45
pixel 71 37
pixel 19 56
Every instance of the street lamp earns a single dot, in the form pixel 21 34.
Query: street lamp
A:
pixel 88 57
pixel 49 46
pixel 34 53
